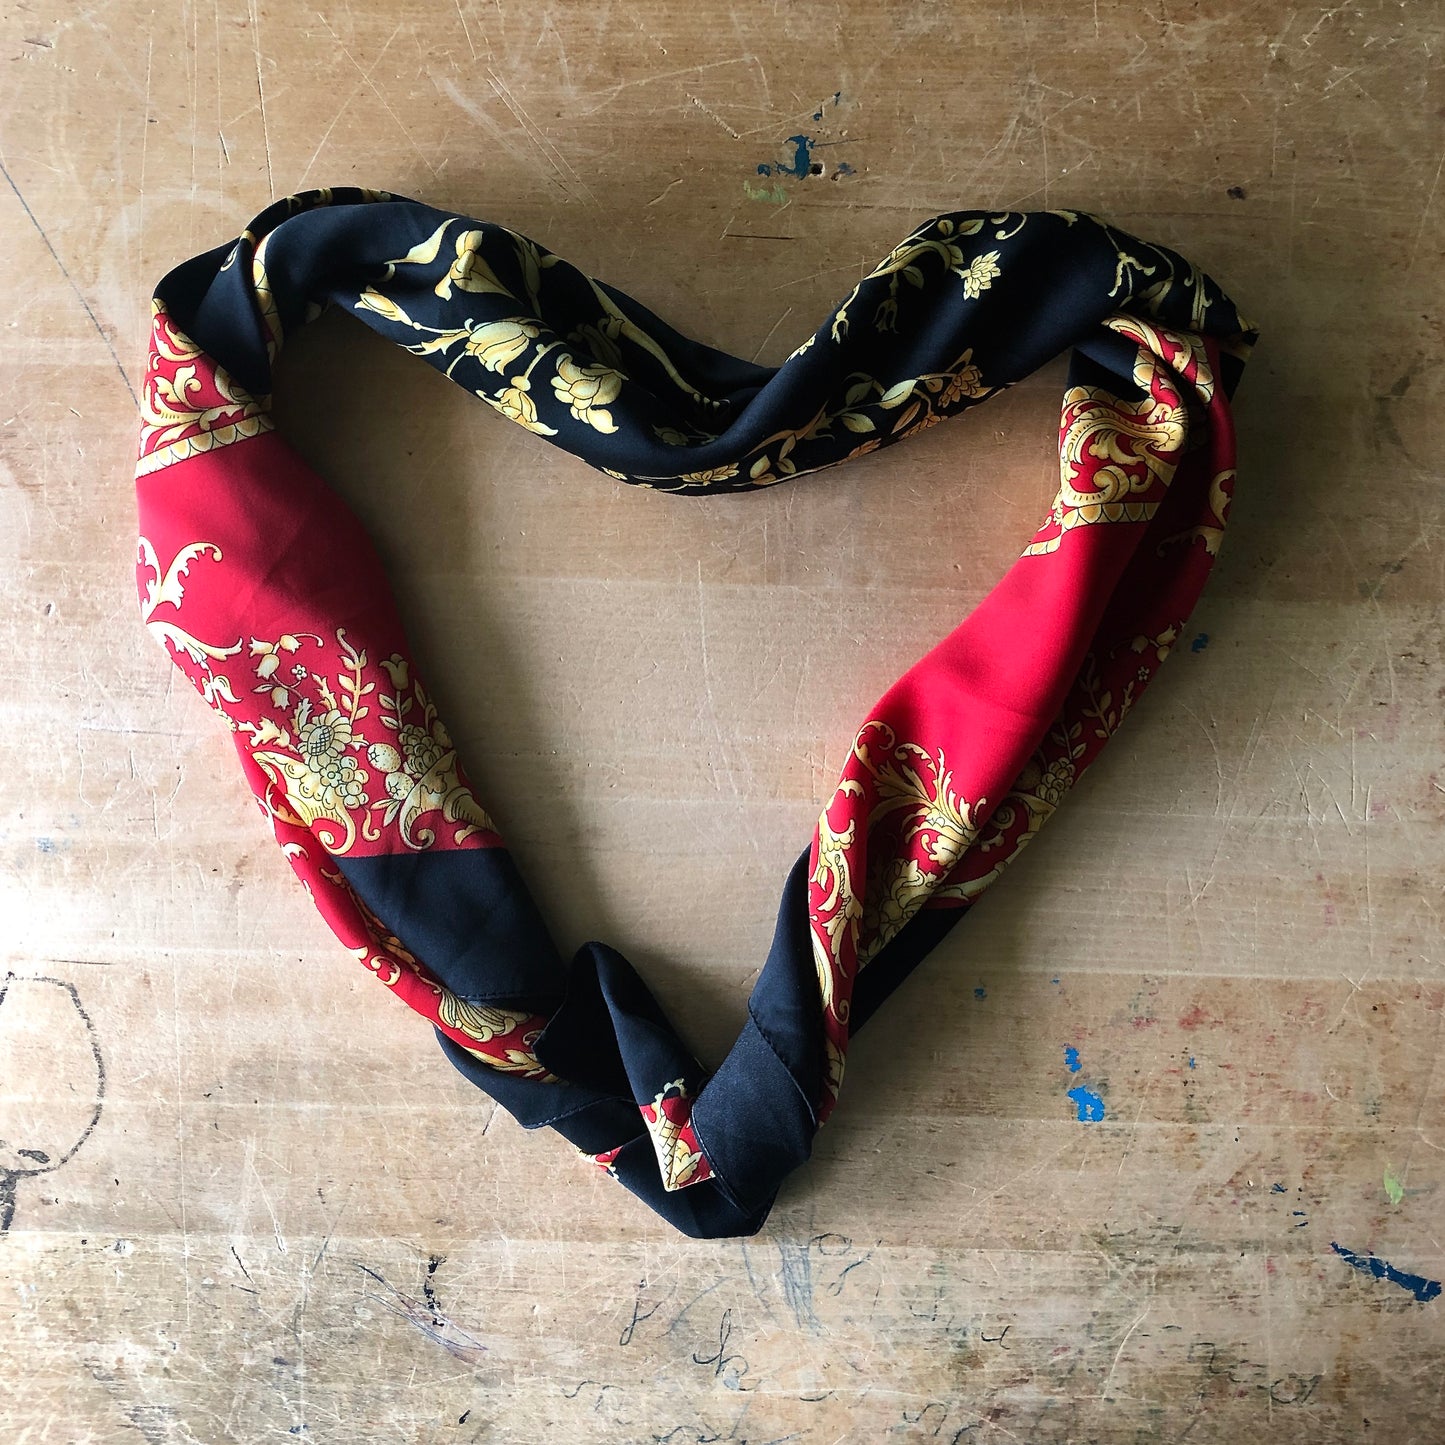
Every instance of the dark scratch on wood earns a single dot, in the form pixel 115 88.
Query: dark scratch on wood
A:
pixel 70 281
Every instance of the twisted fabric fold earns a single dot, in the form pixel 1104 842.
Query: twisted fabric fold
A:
pixel 267 593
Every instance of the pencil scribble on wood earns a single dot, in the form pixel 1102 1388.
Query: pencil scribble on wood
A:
pixel 43 1018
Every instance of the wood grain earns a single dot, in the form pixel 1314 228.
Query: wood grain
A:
pixel 267 1207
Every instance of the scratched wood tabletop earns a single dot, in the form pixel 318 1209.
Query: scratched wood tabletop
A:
pixel 248 1199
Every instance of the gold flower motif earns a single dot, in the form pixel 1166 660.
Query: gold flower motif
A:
pixel 967 381
pixel 587 391
pixel 329 775
pixel 710 474
pixel 327 734
pixel 499 343
pixel 269 654
pixel 600 341
pixel 898 897
pixel 1160 645
pixel 980 274
pixel 515 403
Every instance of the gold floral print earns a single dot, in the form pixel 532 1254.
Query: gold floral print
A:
pixel 1182 351
pixel 966 381
pixel 937 828
pixel 979 274
pixel 924 401
pixel 600 341
pixel 188 404
pixel 1117 458
pixel 710 474
pixel 372 300
pixel 329 770
pixel 333 774
pixel 478 1021
pixel 317 771
pixel 1211 533
pixel 499 343
pixel 589 374
pixel 167 589
pixel 677 1157
pixel 420 768
pixel 938 239
pixel 838 909
pixel 470 271
pixel 920 401
pixel 516 404
pixel 587 391
pixel 918 828
pixel 675 437
pixel 1035 796
pixel 274 682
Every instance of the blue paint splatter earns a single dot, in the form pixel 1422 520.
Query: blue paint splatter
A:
pixel 843 169
pixel 1191 1061
pixel 1071 1058
pixel 1423 1289
pixel 980 992
pixel 802 156
pixel 1199 643
pixel 1053 980
pixel 801 164
pixel 1091 1106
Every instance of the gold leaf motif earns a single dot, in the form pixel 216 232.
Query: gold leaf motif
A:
pixel 424 252
pixel 372 300
pixel 167 589
pixel 184 413
pixel 317 803
pixel 470 271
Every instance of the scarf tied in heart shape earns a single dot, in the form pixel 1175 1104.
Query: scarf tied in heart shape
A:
pixel 264 589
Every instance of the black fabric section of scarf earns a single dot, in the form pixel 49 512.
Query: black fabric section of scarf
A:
pixel 469 915
pixel 689 419
pixel 1059 275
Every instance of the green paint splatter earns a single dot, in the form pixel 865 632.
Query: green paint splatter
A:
pixel 773 193
pixel 1394 1190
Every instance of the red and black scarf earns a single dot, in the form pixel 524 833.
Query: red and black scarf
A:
pixel 269 596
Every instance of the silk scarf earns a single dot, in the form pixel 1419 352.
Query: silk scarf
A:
pixel 268 595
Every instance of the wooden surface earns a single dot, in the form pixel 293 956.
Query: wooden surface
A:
pixel 264 1220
